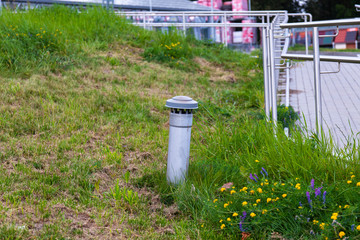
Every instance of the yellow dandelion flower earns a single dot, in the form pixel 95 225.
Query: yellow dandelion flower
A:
pixel 268 200
pixel 262 184
pixel 252 214
pixel 225 205
pixel 228 219
pixel 221 221
pixel 300 207
pixel 264 211
pixel 215 200
pixel 254 204
pixel 222 226
pixel 284 195
pixel 296 178
pixel 341 234
pixel 235 214
pixel 339 206
pixel 222 189
pixel 252 192
pixel 283 184
pixel 259 190
pixel 257 161
pixel 244 203
pixel 244 189
pixel 352 176
pixel 358 228
pixel 232 191
pixel 233 187
pixel 315 221
pixel 348 182
pixel 346 206
pixel 202 225
pixel 358 184
pixel 258 200
pixel 322 226
pixel 266 183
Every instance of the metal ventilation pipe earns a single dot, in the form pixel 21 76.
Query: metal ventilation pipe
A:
pixel 181 116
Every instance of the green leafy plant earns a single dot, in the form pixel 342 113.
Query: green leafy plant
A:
pixel 124 196
pixel 287 116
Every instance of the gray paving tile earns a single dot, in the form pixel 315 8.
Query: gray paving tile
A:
pixel 340 98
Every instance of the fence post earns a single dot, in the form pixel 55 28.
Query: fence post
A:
pixel 317 82
pixel 225 27
pixel 273 77
pixel 183 21
pixel 306 39
pixel 144 20
pixel 266 72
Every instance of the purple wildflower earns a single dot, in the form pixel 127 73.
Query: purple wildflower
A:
pixel 256 176
pixel 240 226
pixel 318 191
pixel 262 173
pixel 308 198
pixel 324 197
pixel 312 184
pixel 252 178
pixel 242 218
pixel 265 172
pixel 244 215
pixel 352 227
pixel 300 204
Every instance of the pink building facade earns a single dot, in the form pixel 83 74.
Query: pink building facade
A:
pixel 243 35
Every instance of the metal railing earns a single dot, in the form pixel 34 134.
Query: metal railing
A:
pixel 211 19
pixel 275 41
pixel 316 57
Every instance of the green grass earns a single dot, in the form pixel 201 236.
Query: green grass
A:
pixel 84 132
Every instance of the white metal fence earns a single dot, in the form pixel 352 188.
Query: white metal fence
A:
pixel 274 40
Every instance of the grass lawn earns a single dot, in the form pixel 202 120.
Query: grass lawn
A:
pixel 84 134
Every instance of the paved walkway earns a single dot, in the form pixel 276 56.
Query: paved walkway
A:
pixel 340 98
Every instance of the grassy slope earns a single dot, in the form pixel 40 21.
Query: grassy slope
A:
pixel 76 120
pixel 77 117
